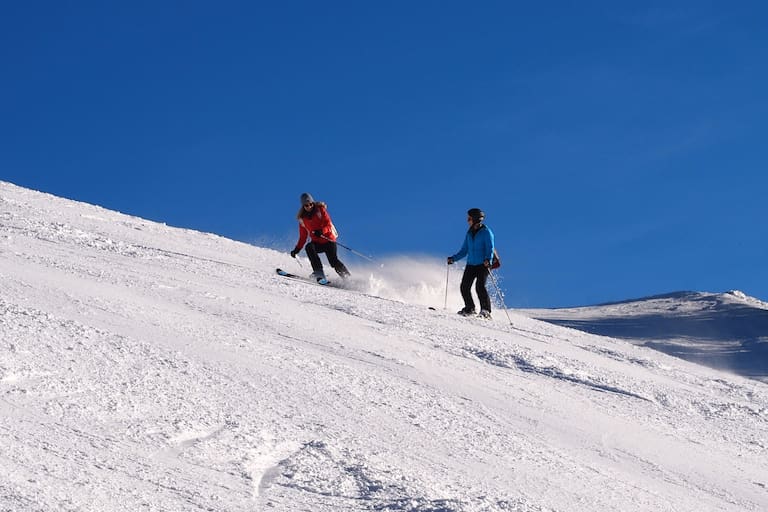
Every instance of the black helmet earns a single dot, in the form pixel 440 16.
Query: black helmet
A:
pixel 476 214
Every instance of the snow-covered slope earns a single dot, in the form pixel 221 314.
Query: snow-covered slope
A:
pixel 144 367
pixel 728 331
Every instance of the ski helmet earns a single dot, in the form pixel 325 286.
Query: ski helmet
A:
pixel 306 198
pixel 476 214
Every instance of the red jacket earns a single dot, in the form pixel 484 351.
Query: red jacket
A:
pixel 316 219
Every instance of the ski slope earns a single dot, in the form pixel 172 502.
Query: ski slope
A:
pixel 146 367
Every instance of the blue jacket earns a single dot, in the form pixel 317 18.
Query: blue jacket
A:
pixel 478 246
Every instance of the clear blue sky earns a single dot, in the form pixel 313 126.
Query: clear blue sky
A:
pixel 618 148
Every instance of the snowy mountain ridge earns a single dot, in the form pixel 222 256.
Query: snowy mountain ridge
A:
pixel 728 331
pixel 144 367
pixel 746 298
pixel 731 296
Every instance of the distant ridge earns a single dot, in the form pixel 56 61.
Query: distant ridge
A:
pixel 727 331
pixel 688 295
pixel 672 295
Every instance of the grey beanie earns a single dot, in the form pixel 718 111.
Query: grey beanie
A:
pixel 306 198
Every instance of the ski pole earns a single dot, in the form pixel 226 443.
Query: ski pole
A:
pixel 297 260
pixel 447 273
pixel 347 248
pixel 500 294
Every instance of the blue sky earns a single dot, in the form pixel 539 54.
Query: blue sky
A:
pixel 618 150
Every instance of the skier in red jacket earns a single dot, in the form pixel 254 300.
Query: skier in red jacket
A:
pixel 315 223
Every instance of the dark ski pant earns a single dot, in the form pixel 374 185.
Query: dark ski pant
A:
pixel 472 272
pixel 329 248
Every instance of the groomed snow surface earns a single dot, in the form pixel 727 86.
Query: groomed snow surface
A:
pixel 145 367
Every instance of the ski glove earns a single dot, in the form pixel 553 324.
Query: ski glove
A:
pixel 487 264
pixel 294 253
pixel 450 260
pixel 317 232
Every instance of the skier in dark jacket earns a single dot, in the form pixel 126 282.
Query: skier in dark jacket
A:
pixel 478 248
pixel 315 223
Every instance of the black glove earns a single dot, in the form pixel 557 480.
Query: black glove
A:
pixel 487 264
pixel 294 253
pixel 450 260
pixel 317 233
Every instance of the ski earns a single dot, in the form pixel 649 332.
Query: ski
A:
pixel 283 273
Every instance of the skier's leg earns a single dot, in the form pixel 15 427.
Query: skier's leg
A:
pixel 466 289
pixel 482 291
pixel 314 259
pixel 332 252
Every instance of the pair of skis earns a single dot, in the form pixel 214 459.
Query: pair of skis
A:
pixel 320 280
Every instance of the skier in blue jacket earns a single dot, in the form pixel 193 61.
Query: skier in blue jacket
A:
pixel 478 248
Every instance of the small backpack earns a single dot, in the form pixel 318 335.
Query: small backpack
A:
pixel 495 262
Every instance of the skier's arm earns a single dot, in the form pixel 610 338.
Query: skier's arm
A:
pixel 303 233
pixel 489 246
pixel 462 252
pixel 326 224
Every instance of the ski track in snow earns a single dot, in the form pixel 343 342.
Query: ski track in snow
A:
pixel 145 367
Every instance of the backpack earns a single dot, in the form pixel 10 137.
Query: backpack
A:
pixel 495 262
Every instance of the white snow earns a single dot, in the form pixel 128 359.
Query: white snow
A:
pixel 146 367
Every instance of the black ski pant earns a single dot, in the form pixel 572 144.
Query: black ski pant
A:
pixel 330 250
pixel 472 273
